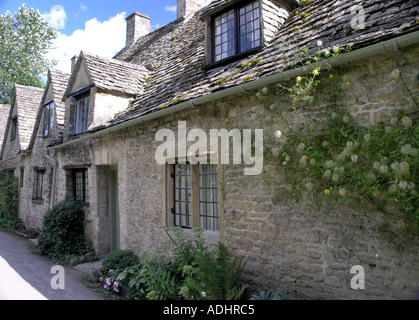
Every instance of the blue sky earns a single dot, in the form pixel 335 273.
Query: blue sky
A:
pixel 97 26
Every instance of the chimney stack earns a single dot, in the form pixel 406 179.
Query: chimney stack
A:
pixel 73 62
pixel 138 25
pixel 187 7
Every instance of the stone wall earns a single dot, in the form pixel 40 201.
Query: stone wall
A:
pixel 309 254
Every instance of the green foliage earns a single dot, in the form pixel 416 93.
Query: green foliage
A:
pixel 208 273
pixel 269 295
pixel 9 199
pixel 304 89
pixel 25 38
pixel 216 277
pixel 63 231
pixel 332 161
pixel 337 161
pixel 132 282
pixel 182 253
pixel 150 279
pixel 197 272
pixel 118 260
pixel 161 281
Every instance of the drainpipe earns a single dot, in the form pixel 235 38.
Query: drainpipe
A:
pixel 11 158
pixel 54 178
pixel 378 48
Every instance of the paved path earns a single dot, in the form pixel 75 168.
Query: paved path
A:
pixel 25 275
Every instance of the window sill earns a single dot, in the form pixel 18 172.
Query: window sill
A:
pixel 232 59
pixel 38 200
pixel 211 237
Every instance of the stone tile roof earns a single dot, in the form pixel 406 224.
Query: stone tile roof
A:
pixel 175 54
pixel 27 100
pixel 110 74
pixel 58 81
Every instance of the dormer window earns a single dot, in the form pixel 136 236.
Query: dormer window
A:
pixel 239 28
pixel 79 111
pixel 236 31
pixel 49 115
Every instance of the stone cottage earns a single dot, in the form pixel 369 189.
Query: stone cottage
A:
pixel 38 191
pixel 214 68
pixel 15 151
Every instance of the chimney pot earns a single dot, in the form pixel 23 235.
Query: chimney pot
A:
pixel 138 25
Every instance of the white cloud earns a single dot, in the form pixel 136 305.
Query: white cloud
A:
pixel 102 38
pixel 170 8
pixel 83 7
pixel 56 17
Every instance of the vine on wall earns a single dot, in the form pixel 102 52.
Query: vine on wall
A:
pixel 335 161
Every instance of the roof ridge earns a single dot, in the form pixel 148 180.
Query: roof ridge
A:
pixel 112 60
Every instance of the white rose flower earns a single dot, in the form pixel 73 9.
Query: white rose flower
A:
pixel 354 158
pixel 403 185
pixel 383 169
pixel 407 122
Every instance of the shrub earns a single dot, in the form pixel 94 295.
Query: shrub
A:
pixel 63 231
pixel 8 201
pixel 217 277
pixel 209 274
pixel 118 260
pixel 150 279
pixel 196 272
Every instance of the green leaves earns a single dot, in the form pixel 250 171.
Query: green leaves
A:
pixel 213 275
pixel 119 259
pixel 8 201
pixel 63 231
pixel 337 161
pixel 25 39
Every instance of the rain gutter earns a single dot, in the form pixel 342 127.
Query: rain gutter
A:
pixel 383 47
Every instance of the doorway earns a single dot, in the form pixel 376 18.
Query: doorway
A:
pixel 113 206
pixel 108 209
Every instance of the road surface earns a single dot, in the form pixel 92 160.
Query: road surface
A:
pixel 25 275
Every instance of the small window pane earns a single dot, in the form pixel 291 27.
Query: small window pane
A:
pixel 208 197
pixel 225 35
pixel 250 28
pixel 182 189
pixel 81 185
